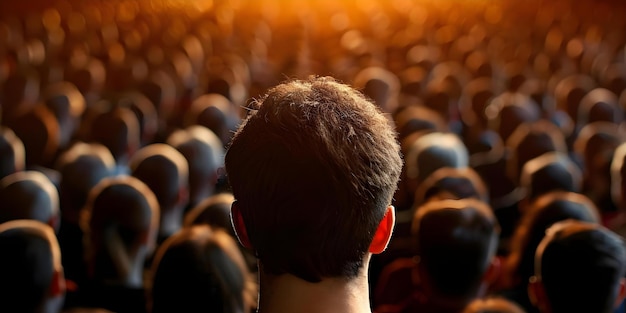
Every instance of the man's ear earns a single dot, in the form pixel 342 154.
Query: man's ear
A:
pixel 239 226
pixel 621 295
pixel 384 231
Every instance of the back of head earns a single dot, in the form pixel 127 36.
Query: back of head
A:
pixel 204 153
pixel 67 104
pixel 380 85
pixel 117 129
pixel 452 183
pixel 324 160
pixel 164 170
pixel 199 269
pixel 121 214
pixel 213 112
pixel 434 151
pixel 81 168
pixel 581 266
pixel 415 118
pixel 548 209
pixel 529 141
pixel 549 172
pixel 213 211
pixel 30 260
pixel 12 154
pixel 456 241
pixel 39 131
pixel 29 195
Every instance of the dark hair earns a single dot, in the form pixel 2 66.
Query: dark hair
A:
pixel 549 172
pixel 199 269
pixel 12 154
pixel 529 141
pixel 580 266
pixel 544 212
pixel 455 243
pixel 119 210
pixel 28 195
pixel 30 255
pixel 163 169
pixel 313 170
pixel 81 168
pixel 457 183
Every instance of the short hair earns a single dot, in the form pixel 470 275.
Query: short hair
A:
pixel 29 195
pixel 30 257
pixel 434 151
pixel 12 154
pixel 548 172
pixel 39 131
pixel 122 206
pixel 580 266
pixel 455 242
pixel 213 112
pixel 531 140
pixel 380 85
pixel 599 105
pixel 213 211
pixel 544 212
pixel 457 183
pixel 313 169
pixel 116 128
pixel 204 152
pixel 163 169
pixel 82 167
pixel 508 111
pixel 199 269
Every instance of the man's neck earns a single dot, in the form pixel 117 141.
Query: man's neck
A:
pixel 287 293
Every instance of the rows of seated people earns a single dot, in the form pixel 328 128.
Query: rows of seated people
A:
pixel 116 115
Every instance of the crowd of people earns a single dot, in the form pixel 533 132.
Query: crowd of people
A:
pixel 313 156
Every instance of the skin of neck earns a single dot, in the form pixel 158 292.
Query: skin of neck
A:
pixel 287 293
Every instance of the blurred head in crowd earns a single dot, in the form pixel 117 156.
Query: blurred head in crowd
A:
pixel 116 128
pixel 165 171
pixel 204 153
pixel 31 270
pixel 201 269
pixel 120 221
pixel 549 172
pixel 213 211
pixel 451 183
pixel 213 112
pixel 456 241
pixel 39 131
pixel 579 267
pixel 12 154
pixel 29 195
pixel 67 104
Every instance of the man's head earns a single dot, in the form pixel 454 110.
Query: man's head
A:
pixel 548 172
pixel 81 168
pixel 579 267
pixel 313 170
pixel 120 221
pixel 12 154
pixel 29 195
pixel 431 152
pixel 456 241
pixel 30 267
pixel 205 155
pixel 165 171
pixel 199 269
